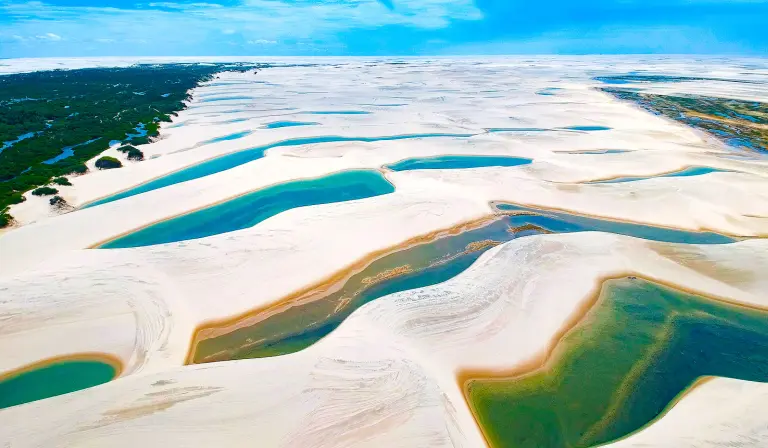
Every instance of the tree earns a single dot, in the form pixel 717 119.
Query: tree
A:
pixel 61 181
pixel 44 191
pixel 107 163
pixel 58 202
pixel 135 154
pixel 132 152
pixel 5 219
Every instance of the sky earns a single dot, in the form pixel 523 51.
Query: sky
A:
pixel 65 28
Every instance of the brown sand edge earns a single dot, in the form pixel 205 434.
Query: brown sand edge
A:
pixel 106 358
pixel 98 244
pixel 320 289
pixel 544 209
pixel 334 282
pixel 729 121
pixel 547 356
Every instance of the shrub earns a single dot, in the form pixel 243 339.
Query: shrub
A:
pixel 78 169
pixel 57 201
pixel 44 191
pixel 135 154
pixel 5 219
pixel 61 181
pixel 126 148
pixel 139 140
pixel 107 163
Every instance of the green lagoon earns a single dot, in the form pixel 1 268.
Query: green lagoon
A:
pixel 53 379
pixel 428 263
pixel 627 361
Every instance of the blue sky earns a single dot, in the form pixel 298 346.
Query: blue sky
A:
pixel 380 27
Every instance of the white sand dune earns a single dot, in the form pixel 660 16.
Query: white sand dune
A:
pixel 387 376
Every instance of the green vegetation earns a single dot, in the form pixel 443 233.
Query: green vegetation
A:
pixel 135 154
pixel 139 140
pixel 640 79
pixel 108 163
pixel 84 110
pixel 61 181
pixel 620 367
pixel 44 191
pixel 126 148
pixel 16 198
pixel 132 152
pixel 57 201
pixel 740 123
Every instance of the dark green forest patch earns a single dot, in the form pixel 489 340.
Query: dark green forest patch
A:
pixel 84 110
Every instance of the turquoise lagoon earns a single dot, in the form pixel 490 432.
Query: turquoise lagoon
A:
pixel 225 138
pixel 456 162
pixel 289 124
pixel 687 172
pixel 587 128
pixel 235 159
pixel 339 112
pixel 53 379
pixel 252 208
pixel 563 222
pixel 516 129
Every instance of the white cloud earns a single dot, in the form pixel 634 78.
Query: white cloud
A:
pixel 187 27
pixel 48 36
pixel 183 6
pixel 273 19
pixel 104 41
